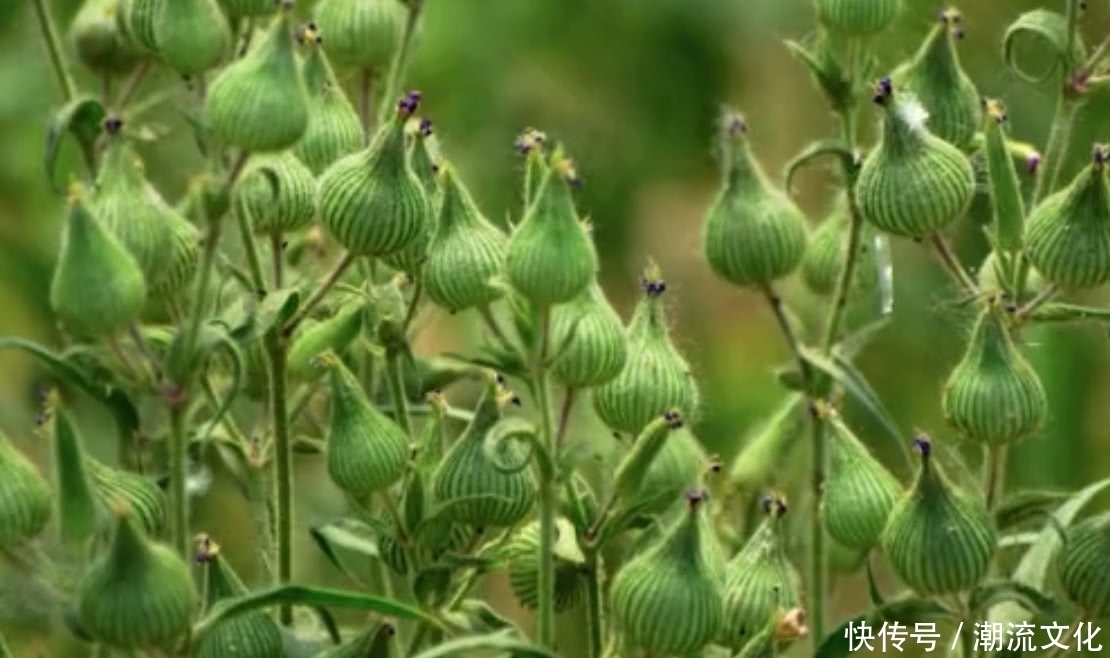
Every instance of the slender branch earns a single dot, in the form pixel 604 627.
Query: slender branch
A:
pixel 1039 300
pixel 787 330
pixel 277 247
pixel 548 498
pixel 414 303
pixel 132 85
pixel 395 381
pixel 55 50
pixel 994 474
pixel 952 263
pixel 332 278
pixel 283 464
pixel 401 61
pixel 563 424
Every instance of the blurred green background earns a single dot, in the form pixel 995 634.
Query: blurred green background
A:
pixel 633 89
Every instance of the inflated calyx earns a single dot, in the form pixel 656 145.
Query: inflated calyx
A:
pixel 334 129
pixel 135 21
pixel 190 36
pixel 411 259
pixel 669 600
pixel 371 201
pixel 96 38
pixel 466 251
pixel 1067 236
pixel 824 257
pixel 677 466
pixel 1084 565
pixel 146 501
pixel 859 18
pixel 990 278
pixel 374 642
pixel 184 259
pixel 97 287
pixel 592 340
pixel 334 334
pixel 361 33
pixel 939 539
pixel 934 76
pixel 912 183
pixel 993 394
pixel 753 233
pixel 25 498
pixel 250 635
pixel 656 377
pixel 137 595
pixel 278 194
pixel 523 562
pixel 259 103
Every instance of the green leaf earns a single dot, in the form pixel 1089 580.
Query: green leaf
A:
pixel 498 443
pixel 1022 507
pixel 814 151
pixel 829 76
pixel 991 593
pixel 1044 34
pixel 906 611
pixel 476 616
pixel 81 118
pixel 500 641
pixel 275 309
pixel 764 449
pixel 346 535
pixel 853 343
pixel 790 378
pixel 431 585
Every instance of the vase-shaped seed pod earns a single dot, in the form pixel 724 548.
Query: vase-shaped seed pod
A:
pixel 250 635
pixel 191 36
pixel 656 377
pixel 411 258
pixel 371 201
pixel 367 451
pixel 670 581
pixel 144 498
pixel 334 129
pixel 239 9
pixel 96 38
pixel 278 194
pixel 1067 236
pixel 138 594
pixel 592 339
pixel 936 79
pixel 760 580
pixel 335 334
pixel 753 233
pixel 676 467
pixel 550 258
pixel 827 248
pixel 259 103
pixel 485 486
pixel 1084 566
pixel 994 395
pixel 522 555
pixel 135 21
pixel 374 642
pixel 466 251
pixel 25 498
pixel 939 539
pixel 858 18
pixel 91 254
pixel 860 492
pixel 912 183
pixel 361 34
pixel 181 266
pixel 990 278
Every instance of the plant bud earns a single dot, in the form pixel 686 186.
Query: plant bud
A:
pixel 939 539
pixel 335 334
pixel 240 9
pixel 184 259
pixel 135 21
pixel 477 484
pixel 993 394
pixel 367 451
pixel 859 18
pixel 912 183
pixel 138 594
pixel 97 286
pixel 96 38
pixel 250 635
pixel 824 257
pixel 1067 236
pixel 990 278
pixel 594 345
pixel 191 36
pixel 466 251
pixel 371 201
pixel 753 233
pixel 411 258
pixel 550 257
pixel 1084 566
pixel 374 642
pixel 523 556
pixel 656 377
pixel 334 129
pixel 144 498
pixel 934 76
pixel 25 498
pixel 668 600
pixel 361 34
pixel 278 193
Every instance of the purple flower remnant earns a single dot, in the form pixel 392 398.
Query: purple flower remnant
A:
pixel 408 104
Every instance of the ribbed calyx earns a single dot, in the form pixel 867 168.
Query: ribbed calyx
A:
pixel 277 193
pixel 143 497
pixel 190 36
pixel 25 498
pixel 592 339
pixel 1084 565
pixel 96 37
pixel 135 20
pixel 672 580
pixel 858 18
pixel 939 539
pixel 994 395
pixel 753 233
pixel 333 334
pixel 334 129
pixel 677 466
pixel 824 257
pixel 423 160
pixel 912 183
pixel 361 33
pixel 990 278
pixel 1067 236
pixel 184 258
pixel 656 378
pixel 522 557
pixel 250 635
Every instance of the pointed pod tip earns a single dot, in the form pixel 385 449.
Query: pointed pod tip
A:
pixel 113 125
pixel 205 550
pixel 882 91
pixel 773 505
pixel 652 283
pixel 674 419
pixel 409 103
pixel 308 34
pixel 733 123
pixel 1100 153
pixel 995 110
pixel 923 445
pixel 529 140
pixel 695 498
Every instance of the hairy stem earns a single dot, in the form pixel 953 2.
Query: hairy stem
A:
pixel 179 471
pixel 395 380
pixel 262 517
pixel 318 295
pixel 283 464
pixel 549 496
pixel 952 263
pixel 787 330
pixel 55 49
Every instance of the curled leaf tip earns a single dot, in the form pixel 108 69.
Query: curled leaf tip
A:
pixel 923 445
pixel 529 140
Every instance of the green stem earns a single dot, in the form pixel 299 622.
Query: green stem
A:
pixel 595 618
pixel 401 61
pixel 994 474
pixel 55 50
pixel 952 263
pixel 262 515
pixel 178 466
pixel 787 331
pixel 318 295
pixel 548 495
pixel 1038 301
pixel 283 463
pixel 414 304
pixel 395 380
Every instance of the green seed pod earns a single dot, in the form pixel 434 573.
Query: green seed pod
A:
pixel 25 498
pixel 1084 566
pixel 670 581
pixel 523 561
pixel 824 256
pixel 939 539
pixel 1007 207
pixel 466 251
pixel 990 278
pixel 1067 236
pixel 144 498
pixel 96 38
pixel 79 506
pixel 184 258
pixel 361 34
pixel 250 635
pixel 760 581
pixel 550 258
pixel 367 451
pixel 334 129
pixel 91 254
pixel 656 377
pixel 259 103
pixel 411 258
pixel 593 342
pixel 371 201
pixel 335 334
pixel 858 18
pixel 483 485
pixel 135 21
pixel 138 594
pixel 278 193
pixel 192 36
pixel 934 76
pixel 240 9
pixel 860 492
pixel 374 642
pixel 993 394
pixel 753 234
pixel 912 183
